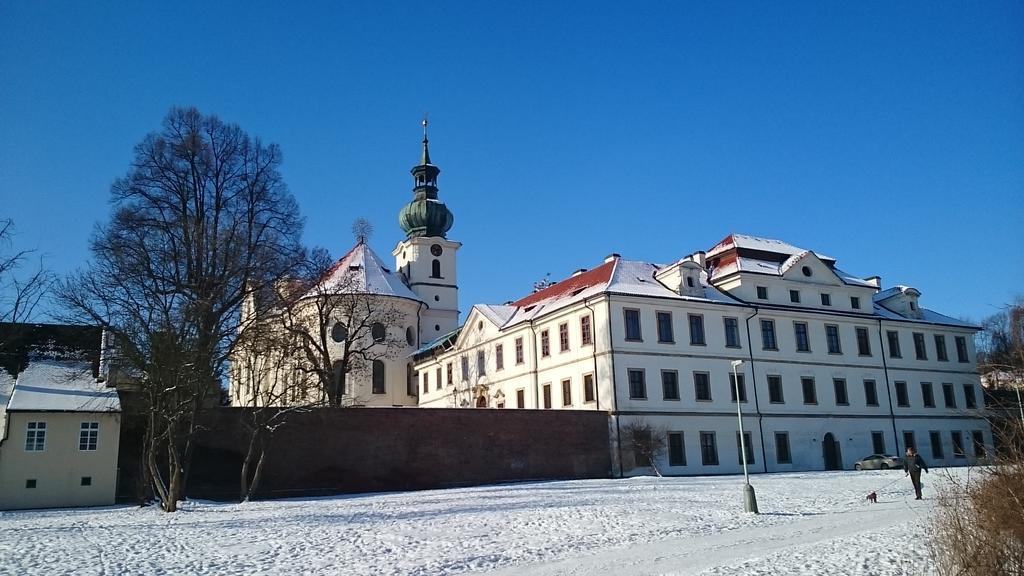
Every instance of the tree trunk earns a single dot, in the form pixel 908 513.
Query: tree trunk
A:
pixel 245 489
pixel 258 475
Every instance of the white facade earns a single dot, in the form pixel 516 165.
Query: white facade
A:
pixel 662 339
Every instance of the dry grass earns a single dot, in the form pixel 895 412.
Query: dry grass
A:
pixel 979 522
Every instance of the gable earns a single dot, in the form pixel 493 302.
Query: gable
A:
pixel 806 267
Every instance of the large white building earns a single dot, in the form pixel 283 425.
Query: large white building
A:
pixel 834 367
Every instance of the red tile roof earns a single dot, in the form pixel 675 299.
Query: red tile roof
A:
pixel 600 275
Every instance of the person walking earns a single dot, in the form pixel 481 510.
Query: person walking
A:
pixel 912 465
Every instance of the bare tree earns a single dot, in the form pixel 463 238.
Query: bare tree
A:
pixel 338 328
pixel 646 442
pixel 20 294
pixel 201 219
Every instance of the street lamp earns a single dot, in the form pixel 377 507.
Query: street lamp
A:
pixel 749 498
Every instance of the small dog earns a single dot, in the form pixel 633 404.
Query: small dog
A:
pixel 873 498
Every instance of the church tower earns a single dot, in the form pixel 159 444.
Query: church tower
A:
pixel 426 258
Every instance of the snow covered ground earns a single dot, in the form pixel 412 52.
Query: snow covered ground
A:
pixel 810 523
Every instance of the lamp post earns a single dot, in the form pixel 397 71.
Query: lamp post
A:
pixel 749 498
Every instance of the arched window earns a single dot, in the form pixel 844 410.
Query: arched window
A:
pixel 410 336
pixel 410 381
pixel 339 332
pixel 481 402
pixel 337 379
pixel 378 377
pixel 435 269
pixel 378 332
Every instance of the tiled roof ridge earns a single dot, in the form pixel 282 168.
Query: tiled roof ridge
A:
pixel 600 275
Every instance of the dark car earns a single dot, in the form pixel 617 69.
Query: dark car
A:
pixel 878 462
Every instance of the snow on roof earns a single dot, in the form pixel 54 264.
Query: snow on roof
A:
pixel 636 278
pixel 61 386
pixel 927 317
pixel 761 244
pixel 361 271
pixel 890 292
pixel 498 315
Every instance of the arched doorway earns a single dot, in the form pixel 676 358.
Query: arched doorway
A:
pixel 832 453
pixel 481 402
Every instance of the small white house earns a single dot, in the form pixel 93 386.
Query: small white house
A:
pixel 59 433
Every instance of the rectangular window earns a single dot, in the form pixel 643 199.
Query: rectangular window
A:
pixel 870 393
pixel 855 302
pixel 702 386
pixel 665 327
pixel 762 293
pixel 826 299
pixel 86 481
pixel 586 333
pixel 902 399
pixel 465 368
pixel 696 330
pixel 448 369
pixel 803 341
pixel 438 384
pixel 908 440
pixel 948 395
pixel 412 381
pixel 547 396
pixel 935 439
pixel 632 317
pixel 499 357
pixel 35 437
pixel 894 344
pixel 961 348
pixel 545 344
pixel 736 381
pixel 810 393
pixel 969 399
pixel 863 342
pixel 566 392
pixel 30 483
pixel 782 455
pixel 732 332
pixel 940 348
pixel 839 385
pixel 978 439
pixel 88 436
pixel 563 337
pixel 747 447
pixel 637 384
pixel 878 442
pixel 926 395
pixel 775 390
pixel 958 444
pixel 519 350
pixel 794 296
pixel 481 363
pixel 768 335
pixel 588 387
pixel 919 349
pixel 426 382
pixel 670 384
pixel 708 450
pixel 832 339
pixel 676 449
pixel 520 398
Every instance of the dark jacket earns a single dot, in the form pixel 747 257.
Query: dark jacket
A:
pixel 914 465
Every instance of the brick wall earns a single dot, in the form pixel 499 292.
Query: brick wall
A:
pixel 381 449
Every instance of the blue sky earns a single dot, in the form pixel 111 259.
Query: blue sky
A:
pixel 888 136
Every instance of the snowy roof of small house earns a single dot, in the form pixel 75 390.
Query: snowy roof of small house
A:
pixel 762 262
pixel 61 386
pixel 361 271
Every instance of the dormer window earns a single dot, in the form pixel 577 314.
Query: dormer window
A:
pixel 913 307
pixel 689 281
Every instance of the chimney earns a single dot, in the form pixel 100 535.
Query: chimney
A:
pixel 578 272
pixel 612 257
pixel 875 281
pixel 700 258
